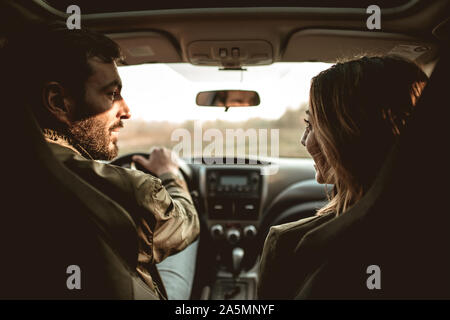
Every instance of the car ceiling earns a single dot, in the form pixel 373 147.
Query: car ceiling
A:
pixel 263 34
pixel 102 6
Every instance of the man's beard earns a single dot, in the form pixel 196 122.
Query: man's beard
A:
pixel 94 137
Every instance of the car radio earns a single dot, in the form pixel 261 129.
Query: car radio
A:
pixel 233 183
pixel 233 194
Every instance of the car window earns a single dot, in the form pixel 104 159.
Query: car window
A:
pixel 164 112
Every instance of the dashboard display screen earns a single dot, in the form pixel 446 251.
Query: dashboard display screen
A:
pixel 233 180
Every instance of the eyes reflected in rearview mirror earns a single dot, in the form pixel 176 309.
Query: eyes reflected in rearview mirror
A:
pixel 228 98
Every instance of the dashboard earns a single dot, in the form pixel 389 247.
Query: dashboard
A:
pixel 238 200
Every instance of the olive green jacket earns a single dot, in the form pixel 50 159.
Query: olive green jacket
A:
pixel 162 208
pixel 280 273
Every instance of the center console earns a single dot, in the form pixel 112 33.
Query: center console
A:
pixel 234 196
pixel 233 200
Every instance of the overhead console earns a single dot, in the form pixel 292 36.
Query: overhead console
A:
pixel 343 44
pixel 230 54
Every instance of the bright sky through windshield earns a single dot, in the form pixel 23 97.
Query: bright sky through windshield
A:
pixel 167 92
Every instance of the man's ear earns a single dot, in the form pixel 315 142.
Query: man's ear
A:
pixel 57 101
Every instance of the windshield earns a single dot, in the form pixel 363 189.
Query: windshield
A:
pixel 162 99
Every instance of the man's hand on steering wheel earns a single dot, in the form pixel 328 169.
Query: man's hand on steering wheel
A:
pixel 160 160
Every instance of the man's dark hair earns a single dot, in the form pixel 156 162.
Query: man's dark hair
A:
pixel 50 52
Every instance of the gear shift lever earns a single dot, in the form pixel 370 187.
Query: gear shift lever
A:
pixel 237 256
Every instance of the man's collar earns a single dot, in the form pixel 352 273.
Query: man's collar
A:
pixel 54 136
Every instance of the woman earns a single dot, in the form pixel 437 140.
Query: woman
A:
pixel 358 109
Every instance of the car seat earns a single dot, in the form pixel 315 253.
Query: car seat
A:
pixel 51 219
pixel 401 225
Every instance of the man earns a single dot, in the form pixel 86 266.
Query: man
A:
pixel 74 89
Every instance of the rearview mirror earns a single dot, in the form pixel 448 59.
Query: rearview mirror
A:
pixel 228 98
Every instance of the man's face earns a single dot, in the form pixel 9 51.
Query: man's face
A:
pixel 99 119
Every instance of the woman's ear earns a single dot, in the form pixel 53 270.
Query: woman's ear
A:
pixel 56 101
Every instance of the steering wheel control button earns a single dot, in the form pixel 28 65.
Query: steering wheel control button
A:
pixel 217 232
pixel 250 231
pixel 233 236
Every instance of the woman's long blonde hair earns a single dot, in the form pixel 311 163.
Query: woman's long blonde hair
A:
pixel 358 109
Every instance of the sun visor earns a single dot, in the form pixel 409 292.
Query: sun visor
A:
pixel 332 45
pixel 146 47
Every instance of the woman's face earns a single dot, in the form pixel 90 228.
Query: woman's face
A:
pixel 312 146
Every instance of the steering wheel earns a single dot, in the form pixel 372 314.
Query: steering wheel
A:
pixel 127 162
